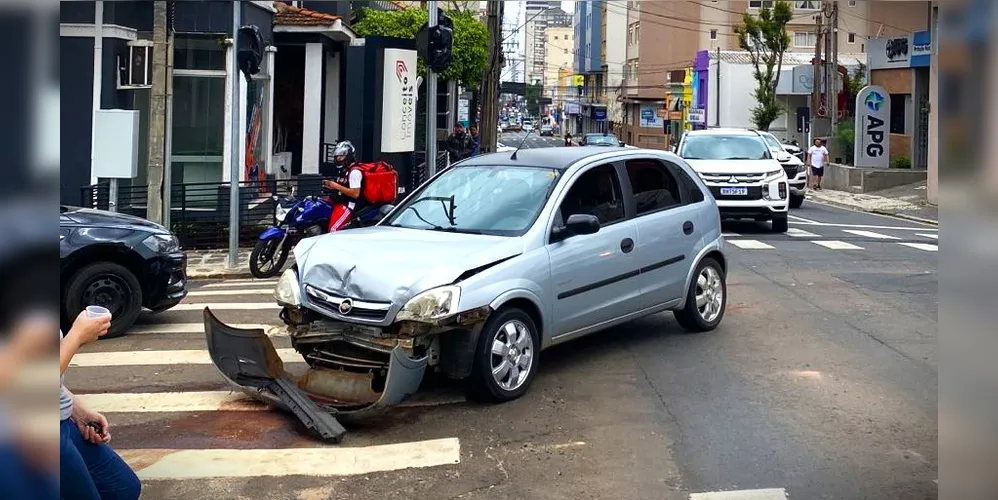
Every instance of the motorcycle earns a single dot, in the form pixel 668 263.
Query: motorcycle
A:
pixel 793 147
pixel 295 219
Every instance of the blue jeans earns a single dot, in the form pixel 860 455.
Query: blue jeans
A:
pixel 90 471
pixel 20 481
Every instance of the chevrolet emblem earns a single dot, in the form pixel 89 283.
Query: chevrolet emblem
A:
pixel 346 306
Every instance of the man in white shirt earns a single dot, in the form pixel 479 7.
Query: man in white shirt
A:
pixel 817 156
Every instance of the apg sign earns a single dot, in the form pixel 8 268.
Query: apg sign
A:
pixel 873 125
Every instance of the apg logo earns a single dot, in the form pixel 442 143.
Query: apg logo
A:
pixel 874 101
pixel 400 69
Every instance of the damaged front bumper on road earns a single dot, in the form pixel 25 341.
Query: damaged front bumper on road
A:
pixel 249 361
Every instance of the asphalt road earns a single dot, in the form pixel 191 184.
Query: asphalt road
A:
pixel 820 383
pixel 533 140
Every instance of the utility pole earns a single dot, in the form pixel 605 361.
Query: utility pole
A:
pixel 157 116
pixel 236 131
pixel 433 11
pixel 490 81
pixel 833 99
pixel 828 83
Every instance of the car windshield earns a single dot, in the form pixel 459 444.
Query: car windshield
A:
pixel 601 140
pixel 724 147
pixel 494 200
pixel 773 143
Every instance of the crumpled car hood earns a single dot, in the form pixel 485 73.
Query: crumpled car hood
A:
pixel 388 264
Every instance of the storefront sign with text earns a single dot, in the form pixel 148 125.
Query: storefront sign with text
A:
pixel 873 125
pixel 398 112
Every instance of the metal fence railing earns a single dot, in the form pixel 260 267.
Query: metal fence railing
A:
pixel 420 173
pixel 199 212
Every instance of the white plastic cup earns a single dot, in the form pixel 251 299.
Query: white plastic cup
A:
pixel 97 311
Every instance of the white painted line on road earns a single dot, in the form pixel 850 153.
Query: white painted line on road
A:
pixel 800 233
pixel 229 284
pixel 766 494
pixel 929 235
pixel 142 358
pixel 862 226
pixel 165 328
pixel 246 291
pixel 159 464
pixel 837 245
pixel 246 280
pixel 922 246
pixel 809 221
pixel 750 244
pixel 203 401
pixel 870 234
pixel 730 235
pixel 234 306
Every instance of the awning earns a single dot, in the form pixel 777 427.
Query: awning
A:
pixel 291 19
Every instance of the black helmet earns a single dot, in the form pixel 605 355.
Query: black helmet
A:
pixel 344 154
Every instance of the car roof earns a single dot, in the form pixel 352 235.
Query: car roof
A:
pixel 724 131
pixel 559 158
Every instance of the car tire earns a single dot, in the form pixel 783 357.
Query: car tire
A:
pixel 101 279
pixel 482 385
pixel 690 317
pixel 796 201
pixel 780 224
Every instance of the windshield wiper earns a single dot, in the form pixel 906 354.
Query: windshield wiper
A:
pixel 420 217
pixel 447 202
pixel 738 158
pixel 454 229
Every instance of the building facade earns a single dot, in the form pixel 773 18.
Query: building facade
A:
pixel 540 17
pixel 559 43
pixel 592 115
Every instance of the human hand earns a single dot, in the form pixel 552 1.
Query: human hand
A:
pixel 86 329
pixel 33 335
pixel 84 417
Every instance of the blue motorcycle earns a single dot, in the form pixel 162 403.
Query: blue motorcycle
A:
pixel 295 219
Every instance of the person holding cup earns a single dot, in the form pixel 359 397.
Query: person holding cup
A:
pixel 88 467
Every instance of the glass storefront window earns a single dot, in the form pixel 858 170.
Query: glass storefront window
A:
pixel 198 52
pixel 198 129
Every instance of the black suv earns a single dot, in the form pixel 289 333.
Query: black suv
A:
pixel 120 262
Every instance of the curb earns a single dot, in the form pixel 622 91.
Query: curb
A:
pixel 887 213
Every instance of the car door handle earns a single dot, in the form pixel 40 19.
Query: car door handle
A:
pixel 688 227
pixel 627 245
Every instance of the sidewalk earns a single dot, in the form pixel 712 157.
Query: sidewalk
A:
pixel 906 202
pixel 214 264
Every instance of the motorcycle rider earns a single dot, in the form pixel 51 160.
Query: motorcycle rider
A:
pixel 347 199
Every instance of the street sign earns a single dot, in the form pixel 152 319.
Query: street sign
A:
pixel 873 125
pixel 696 115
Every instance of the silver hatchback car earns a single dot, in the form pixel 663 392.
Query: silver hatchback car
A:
pixel 489 262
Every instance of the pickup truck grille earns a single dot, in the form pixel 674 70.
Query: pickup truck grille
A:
pixel 791 170
pixel 733 178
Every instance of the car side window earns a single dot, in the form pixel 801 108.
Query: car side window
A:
pixel 596 192
pixel 690 187
pixel 653 185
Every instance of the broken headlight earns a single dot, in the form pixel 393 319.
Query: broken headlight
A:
pixel 431 305
pixel 287 292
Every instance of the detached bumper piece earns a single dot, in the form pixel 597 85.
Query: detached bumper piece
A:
pixel 248 360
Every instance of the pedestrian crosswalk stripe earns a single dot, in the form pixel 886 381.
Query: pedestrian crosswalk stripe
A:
pixel 870 234
pixel 765 494
pixel 837 245
pixel 922 246
pixel 730 235
pixel 165 328
pixel 142 358
pixel 205 401
pixel 230 284
pixel 251 281
pixel 250 291
pixel 800 233
pixel 750 244
pixel 234 306
pixel 160 464
pixel 934 236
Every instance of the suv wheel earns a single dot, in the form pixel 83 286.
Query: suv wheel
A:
pixel 780 223
pixel 108 285
pixel 796 201
pixel 706 298
pixel 506 357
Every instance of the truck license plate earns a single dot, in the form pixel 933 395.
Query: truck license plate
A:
pixel 734 191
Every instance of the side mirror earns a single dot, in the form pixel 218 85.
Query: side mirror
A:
pixel 622 144
pixel 579 224
pixel 782 157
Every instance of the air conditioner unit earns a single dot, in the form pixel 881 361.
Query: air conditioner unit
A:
pixel 135 66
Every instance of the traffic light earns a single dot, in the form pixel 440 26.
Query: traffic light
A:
pixel 435 44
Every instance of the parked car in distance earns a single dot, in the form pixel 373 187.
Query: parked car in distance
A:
pixel 600 139
pixel 547 130
pixel 478 270
pixel 528 126
pixel 120 262
pixel 792 165
pixel 741 172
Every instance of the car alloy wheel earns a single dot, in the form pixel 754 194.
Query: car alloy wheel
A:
pixel 709 294
pixel 512 355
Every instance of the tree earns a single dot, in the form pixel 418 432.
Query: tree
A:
pixel 471 39
pixel 532 94
pixel 845 131
pixel 765 39
pixel 853 84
